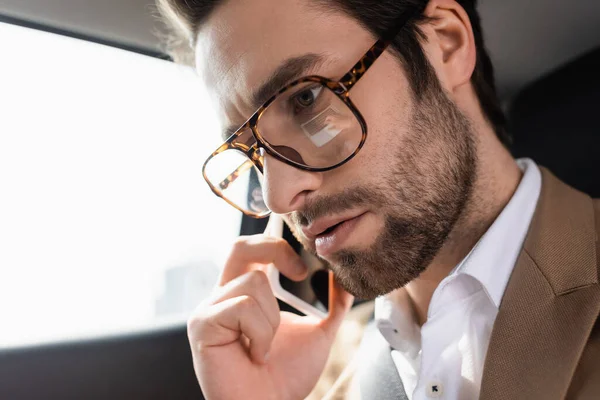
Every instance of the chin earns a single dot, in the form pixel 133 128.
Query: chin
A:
pixel 365 283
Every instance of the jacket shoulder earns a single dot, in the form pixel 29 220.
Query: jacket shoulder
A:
pixel 586 379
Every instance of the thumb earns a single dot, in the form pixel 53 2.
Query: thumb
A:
pixel 340 302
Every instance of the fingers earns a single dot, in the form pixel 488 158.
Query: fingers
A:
pixel 243 311
pixel 340 302
pixel 248 251
pixel 243 306
pixel 256 285
pixel 222 324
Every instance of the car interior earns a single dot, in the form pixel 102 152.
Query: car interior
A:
pixel 546 56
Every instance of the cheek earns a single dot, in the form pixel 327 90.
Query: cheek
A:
pixel 383 99
pixel 386 117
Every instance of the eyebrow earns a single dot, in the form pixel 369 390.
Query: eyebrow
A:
pixel 289 70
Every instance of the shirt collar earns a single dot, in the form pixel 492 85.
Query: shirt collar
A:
pixel 493 258
pixel 396 321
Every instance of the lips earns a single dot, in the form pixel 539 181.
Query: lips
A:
pixel 337 236
pixel 324 225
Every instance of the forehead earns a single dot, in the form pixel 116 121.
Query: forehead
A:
pixel 244 41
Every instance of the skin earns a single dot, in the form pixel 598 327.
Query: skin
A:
pixel 231 332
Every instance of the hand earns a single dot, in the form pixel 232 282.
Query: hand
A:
pixel 243 346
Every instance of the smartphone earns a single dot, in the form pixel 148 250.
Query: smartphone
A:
pixel 310 296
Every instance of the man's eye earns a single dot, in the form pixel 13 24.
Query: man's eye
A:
pixel 307 97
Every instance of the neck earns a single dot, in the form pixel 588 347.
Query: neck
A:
pixel 496 180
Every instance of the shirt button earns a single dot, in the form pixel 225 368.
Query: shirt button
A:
pixel 435 390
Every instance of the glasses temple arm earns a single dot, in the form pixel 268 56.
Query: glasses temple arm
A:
pixel 245 166
pixel 363 65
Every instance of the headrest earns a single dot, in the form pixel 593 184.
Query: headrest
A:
pixel 556 122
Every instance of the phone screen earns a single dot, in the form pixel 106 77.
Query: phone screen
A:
pixel 315 288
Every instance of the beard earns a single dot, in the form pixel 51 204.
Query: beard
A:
pixel 426 190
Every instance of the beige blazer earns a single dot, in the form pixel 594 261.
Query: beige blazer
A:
pixel 545 344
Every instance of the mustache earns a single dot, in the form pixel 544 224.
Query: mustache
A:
pixel 334 204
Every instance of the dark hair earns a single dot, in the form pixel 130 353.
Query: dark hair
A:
pixel 184 17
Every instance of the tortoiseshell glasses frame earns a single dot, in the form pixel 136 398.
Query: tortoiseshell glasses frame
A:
pixel 341 88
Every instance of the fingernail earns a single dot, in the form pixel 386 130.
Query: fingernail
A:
pixel 267 356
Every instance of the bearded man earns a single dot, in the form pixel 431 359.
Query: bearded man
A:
pixel 374 128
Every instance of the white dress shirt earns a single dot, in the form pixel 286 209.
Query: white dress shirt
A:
pixel 444 358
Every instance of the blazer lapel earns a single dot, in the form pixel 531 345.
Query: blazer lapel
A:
pixel 551 302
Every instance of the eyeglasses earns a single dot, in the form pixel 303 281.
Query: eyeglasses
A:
pixel 310 124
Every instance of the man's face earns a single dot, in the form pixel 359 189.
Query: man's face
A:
pixel 399 198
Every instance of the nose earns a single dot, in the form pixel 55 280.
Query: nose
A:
pixel 286 188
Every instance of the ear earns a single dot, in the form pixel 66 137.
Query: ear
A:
pixel 450 43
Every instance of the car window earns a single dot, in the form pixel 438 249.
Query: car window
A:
pixel 106 224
